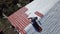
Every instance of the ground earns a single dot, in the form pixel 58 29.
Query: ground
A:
pixel 5 26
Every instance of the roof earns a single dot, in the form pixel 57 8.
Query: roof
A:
pixel 20 20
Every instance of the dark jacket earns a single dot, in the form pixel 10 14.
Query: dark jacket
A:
pixel 35 24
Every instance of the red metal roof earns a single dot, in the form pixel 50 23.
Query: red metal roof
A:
pixel 19 19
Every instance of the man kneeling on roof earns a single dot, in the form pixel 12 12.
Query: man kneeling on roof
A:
pixel 35 24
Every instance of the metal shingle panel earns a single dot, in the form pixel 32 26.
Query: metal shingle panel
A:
pixel 19 19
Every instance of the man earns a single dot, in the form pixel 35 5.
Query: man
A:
pixel 35 25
